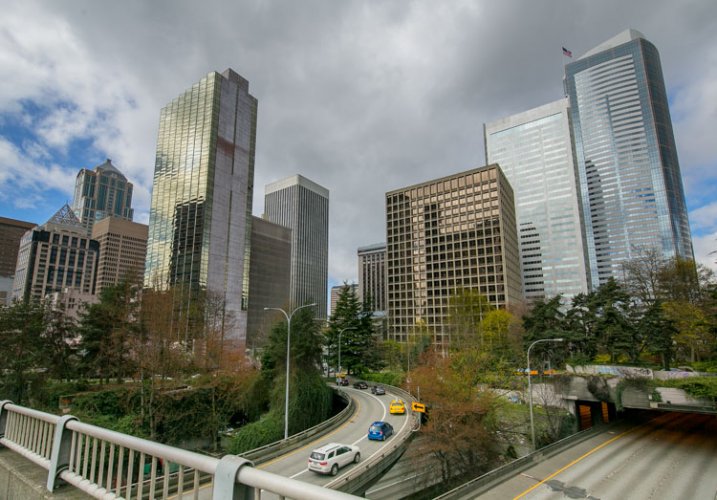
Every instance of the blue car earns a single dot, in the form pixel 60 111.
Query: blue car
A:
pixel 379 431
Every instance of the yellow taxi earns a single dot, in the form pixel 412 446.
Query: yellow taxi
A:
pixel 397 406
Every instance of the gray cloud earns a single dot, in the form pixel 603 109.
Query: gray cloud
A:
pixel 361 97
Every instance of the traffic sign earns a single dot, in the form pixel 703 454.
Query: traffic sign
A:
pixel 419 407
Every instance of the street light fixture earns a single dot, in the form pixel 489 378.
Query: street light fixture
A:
pixel 530 388
pixel 288 352
pixel 342 331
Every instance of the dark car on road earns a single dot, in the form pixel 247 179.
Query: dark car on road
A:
pixel 360 385
pixel 378 390
pixel 380 430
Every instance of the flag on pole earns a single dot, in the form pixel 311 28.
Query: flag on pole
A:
pixel 566 52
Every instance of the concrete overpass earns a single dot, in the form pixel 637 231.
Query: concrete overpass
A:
pixel 104 464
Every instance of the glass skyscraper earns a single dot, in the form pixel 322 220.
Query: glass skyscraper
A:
pixel 200 215
pixel 303 206
pixel 630 184
pixel 102 192
pixel 534 150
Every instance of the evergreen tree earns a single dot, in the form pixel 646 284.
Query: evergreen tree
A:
pixel 108 329
pixel 22 328
pixel 352 322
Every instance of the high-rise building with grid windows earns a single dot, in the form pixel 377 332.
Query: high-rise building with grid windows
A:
pixel 303 206
pixel 200 215
pixel 534 150
pixel 444 236
pixel 372 275
pixel 102 192
pixel 56 256
pixel 631 189
pixel 123 250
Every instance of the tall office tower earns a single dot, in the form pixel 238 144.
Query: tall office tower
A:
pixel 303 206
pixel 55 257
pixel 444 236
pixel 123 251
pixel 336 293
pixel 630 183
pixel 102 192
pixel 200 215
pixel 534 150
pixel 372 275
pixel 11 232
pixel 269 278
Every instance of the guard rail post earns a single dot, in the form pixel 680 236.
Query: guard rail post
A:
pixel 3 416
pixel 61 448
pixel 226 486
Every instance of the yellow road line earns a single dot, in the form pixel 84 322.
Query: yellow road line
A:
pixel 576 461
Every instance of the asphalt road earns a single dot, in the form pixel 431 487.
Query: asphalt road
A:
pixel 369 408
pixel 672 457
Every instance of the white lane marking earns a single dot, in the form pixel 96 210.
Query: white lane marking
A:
pixel 365 436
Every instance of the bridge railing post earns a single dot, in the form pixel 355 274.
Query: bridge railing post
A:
pixel 3 416
pixel 61 448
pixel 226 486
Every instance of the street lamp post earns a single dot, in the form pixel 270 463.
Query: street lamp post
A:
pixel 530 389
pixel 338 370
pixel 288 352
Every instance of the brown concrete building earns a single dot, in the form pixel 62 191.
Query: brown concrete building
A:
pixel 444 235
pixel 11 231
pixel 123 250
pixel 269 278
pixel 372 275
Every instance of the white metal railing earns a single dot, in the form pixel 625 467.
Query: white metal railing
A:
pixel 110 465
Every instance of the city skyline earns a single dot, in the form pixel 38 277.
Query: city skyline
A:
pixel 382 107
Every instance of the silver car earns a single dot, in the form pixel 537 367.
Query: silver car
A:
pixel 330 458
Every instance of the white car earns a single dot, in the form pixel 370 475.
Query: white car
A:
pixel 330 458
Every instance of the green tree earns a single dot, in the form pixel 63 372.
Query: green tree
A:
pixel 108 329
pixel 22 329
pixel 310 400
pixel 352 321
pixel 61 337
pixel 467 309
pixel 658 330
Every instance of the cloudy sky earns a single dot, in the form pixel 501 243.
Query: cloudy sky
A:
pixel 362 97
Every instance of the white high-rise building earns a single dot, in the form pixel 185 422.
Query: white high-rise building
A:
pixel 303 206
pixel 534 150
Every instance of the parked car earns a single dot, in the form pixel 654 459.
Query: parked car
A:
pixel 330 458
pixel 360 385
pixel 397 406
pixel 380 430
pixel 378 390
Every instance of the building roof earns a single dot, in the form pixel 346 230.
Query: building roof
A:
pixel 65 217
pixel 626 36
pixel 108 167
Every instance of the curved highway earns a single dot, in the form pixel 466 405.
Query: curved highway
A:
pixel 673 456
pixel 369 408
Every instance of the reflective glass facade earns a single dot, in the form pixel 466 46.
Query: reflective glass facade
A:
pixel 534 150
pixel 629 176
pixel 453 233
pixel 303 206
pixel 200 215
